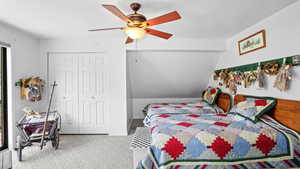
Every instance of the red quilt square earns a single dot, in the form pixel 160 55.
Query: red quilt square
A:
pixel 220 147
pixel 184 124
pixel 174 147
pixel 199 107
pixel 155 107
pixel 178 107
pixel 265 144
pixel 194 115
pixel 260 102
pixel 222 114
pixel 164 116
pixel 221 124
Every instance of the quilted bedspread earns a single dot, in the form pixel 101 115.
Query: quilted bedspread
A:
pixel 192 141
pixel 184 107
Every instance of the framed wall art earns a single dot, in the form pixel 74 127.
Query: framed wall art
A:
pixel 252 43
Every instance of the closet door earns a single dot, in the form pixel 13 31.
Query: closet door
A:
pixel 63 68
pixel 92 94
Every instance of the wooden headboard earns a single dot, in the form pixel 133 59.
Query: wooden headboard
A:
pixel 224 101
pixel 287 112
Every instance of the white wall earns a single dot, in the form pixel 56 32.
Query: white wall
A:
pixel 282 32
pixel 176 43
pixel 167 76
pixel 158 65
pixel 129 96
pixel 117 72
pixel 23 62
pixel 170 74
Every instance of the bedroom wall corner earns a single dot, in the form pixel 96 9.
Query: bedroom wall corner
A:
pixel 24 61
pixel 282 30
pixel 167 76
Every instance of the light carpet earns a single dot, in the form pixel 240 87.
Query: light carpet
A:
pixel 79 152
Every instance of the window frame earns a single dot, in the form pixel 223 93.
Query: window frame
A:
pixel 4 97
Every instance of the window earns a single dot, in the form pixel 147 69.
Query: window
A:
pixel 3 99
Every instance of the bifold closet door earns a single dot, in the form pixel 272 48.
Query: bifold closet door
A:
pixel 80 96
pixel 64 70
pixel 92 94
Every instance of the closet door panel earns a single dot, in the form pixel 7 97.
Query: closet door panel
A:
pixel 63 69
pixel 92 84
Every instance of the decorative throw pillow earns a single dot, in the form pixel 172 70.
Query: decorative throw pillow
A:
pixel 253 108
pixel 211 94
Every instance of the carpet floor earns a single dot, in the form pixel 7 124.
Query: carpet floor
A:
pixel 79 152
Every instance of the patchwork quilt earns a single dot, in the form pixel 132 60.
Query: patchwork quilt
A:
pixel 254 107
pixel 184 107
pixel 194 141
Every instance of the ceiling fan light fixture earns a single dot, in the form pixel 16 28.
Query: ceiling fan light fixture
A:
pixel 135 32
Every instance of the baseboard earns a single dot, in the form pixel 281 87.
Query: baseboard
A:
pixel 129 125
pixel 5 159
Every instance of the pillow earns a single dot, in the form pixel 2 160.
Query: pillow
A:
pixel 210 95
pixel 253 108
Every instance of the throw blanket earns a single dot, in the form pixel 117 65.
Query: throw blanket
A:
pixel 184 141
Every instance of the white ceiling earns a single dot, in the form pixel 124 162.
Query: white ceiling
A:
pixel 201 18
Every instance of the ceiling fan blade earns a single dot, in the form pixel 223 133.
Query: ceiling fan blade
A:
pixel 157 33
pixel 106 29
pixel 116 11
pixel 172 16
pixel 129 40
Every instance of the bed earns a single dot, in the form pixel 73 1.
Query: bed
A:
pixel 218 140
pixel 223 104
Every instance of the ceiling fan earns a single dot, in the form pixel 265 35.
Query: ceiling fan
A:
pixel 138 25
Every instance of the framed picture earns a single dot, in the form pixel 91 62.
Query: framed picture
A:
pixel 252 42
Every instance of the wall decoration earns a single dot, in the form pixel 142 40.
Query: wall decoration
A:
pixel 283 78
pixel 271 68
pixel 260 82
pixel 252 43
pixel 250 79
pixel 254 74
pixel 296 59
pixel 31 88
